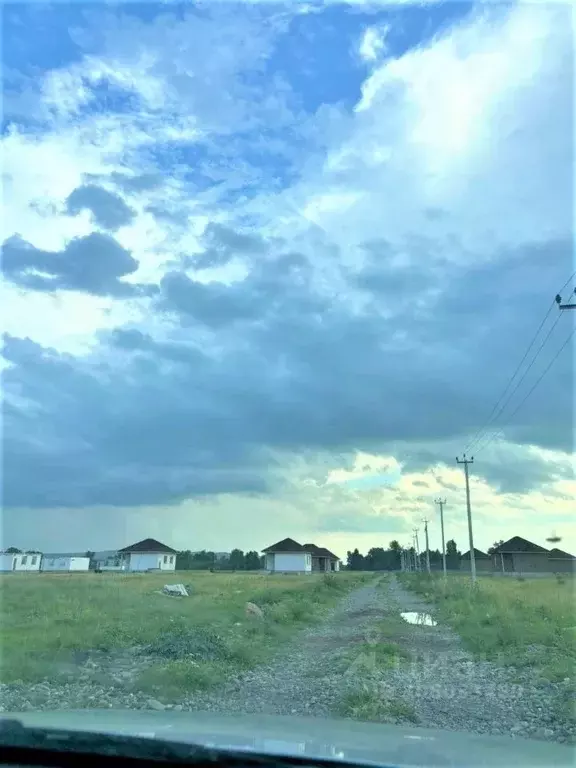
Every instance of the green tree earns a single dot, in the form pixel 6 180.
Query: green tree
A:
pixel 355 561
pixel 252 561
pixel 236 560
pixel 13 550
pixel 452 555
pixel 495 546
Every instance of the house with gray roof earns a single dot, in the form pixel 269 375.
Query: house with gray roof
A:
pixel 289 556
pixel 520 556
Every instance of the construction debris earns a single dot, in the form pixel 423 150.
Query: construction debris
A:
pixel 175 590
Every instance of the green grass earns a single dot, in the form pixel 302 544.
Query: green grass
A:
pixel 367 702
pixel 198 640
pixel 526 623
pixel 364 666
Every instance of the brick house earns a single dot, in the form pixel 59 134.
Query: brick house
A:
pixel 518 555
pixel 561 562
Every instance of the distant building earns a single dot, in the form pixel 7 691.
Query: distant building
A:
pixel 482 561
pixel 561 562
pixel 63 562
pixel 518 555
pixel 20 561
pixel 288 556
pixel 145 555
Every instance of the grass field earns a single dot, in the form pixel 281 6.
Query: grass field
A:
pixel 528 623
pixel 198 640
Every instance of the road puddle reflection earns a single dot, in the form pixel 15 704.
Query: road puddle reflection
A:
pixel 424 619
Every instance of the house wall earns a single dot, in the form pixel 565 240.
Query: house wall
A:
pixel 482 564
pixel 296 562
pixel 25 562
pixel 6 562
pixel 561 565
pixel 145 561
pixel 531 562
pixel 65 563
pixel 337 565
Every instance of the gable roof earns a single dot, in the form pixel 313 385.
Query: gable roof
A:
pixel 560 553
pixel 286 545
pixel 312 548
pixel 148 545
pixel 517 544
pixel 478 554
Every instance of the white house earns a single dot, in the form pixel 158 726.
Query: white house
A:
pixel 20 561
pixel 65 562
pixel 288 556
pixel 146 555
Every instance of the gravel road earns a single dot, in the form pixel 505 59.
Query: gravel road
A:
pixel 444 685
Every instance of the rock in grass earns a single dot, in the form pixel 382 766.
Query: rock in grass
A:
pixel 253 611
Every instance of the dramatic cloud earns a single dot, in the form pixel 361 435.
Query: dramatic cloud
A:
pixel 93 264
pixel 109 210
pixel 318 286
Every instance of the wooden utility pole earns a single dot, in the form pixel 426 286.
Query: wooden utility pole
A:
pixel 565 306
pixel 427 545
pixel 441 503
pixel 465 462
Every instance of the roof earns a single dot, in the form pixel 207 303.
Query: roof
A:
pixel 478 554
pixel 320 551
pixel 286 545
pixel 56 555
pixel 560 553
pixel 517 545
pixel 326 553
pixel 148 545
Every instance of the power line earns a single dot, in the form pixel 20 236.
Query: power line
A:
pixel 527 395
pixel 518 367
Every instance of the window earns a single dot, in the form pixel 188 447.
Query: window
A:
pixel 24 559
pixel 33 561
pixel 171 560
pixel 165 558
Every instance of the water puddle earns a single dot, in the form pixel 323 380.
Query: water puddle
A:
pixel 423 619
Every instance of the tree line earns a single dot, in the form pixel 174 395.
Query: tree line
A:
pixel 236 560
pixel 380 559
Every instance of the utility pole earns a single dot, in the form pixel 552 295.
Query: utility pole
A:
pixel 565 306
pixel 441 503
pixel 427 545
pixel 416 550
pixel 465 462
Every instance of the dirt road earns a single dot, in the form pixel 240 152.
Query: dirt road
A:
pixel 363 660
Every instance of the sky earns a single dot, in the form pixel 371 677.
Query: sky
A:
pixel 269 268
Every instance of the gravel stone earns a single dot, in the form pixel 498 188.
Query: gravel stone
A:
pixel 155 704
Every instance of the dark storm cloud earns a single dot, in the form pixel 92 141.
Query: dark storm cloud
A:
pixel 272 286
pixel 109 209
pixel 94 264
pixel 221 244
pixel 292 369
